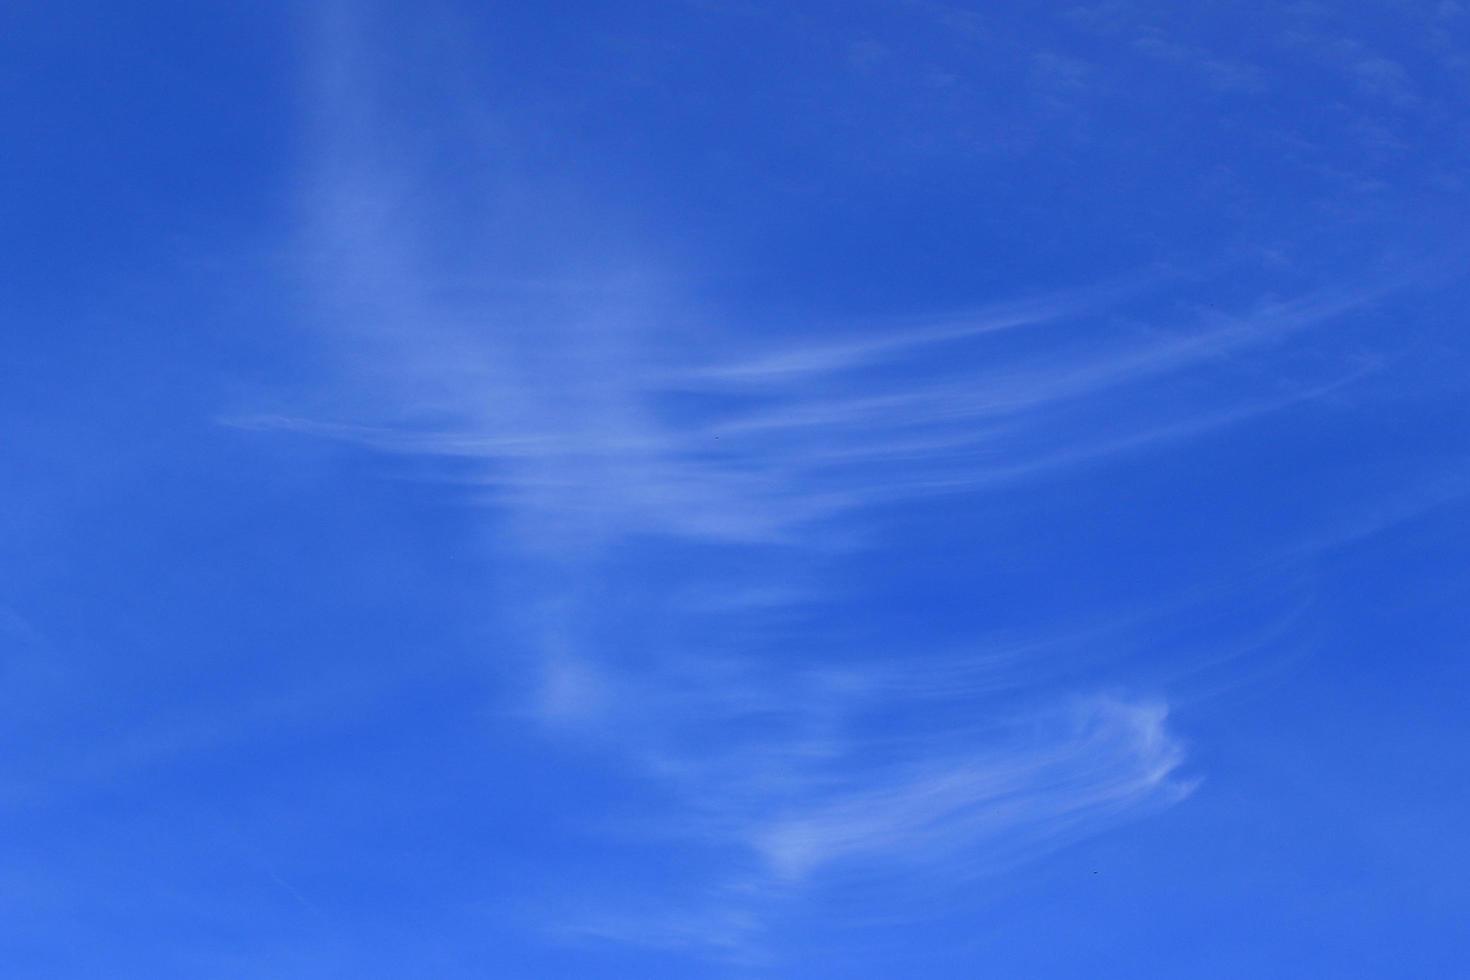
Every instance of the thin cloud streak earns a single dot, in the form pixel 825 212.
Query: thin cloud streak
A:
pixel 760 474
pixel 1108 759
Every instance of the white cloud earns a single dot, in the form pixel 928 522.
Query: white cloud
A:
pixel 1095 763
pixel 600 415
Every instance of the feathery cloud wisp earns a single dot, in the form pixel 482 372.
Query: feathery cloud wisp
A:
pixel 584 420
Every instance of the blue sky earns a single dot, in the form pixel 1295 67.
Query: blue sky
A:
pixel 713 488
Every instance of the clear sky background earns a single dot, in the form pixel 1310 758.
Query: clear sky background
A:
pixel 734 489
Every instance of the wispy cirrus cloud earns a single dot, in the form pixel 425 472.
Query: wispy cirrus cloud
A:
pixel 806 433
pixel 608 411
pixel 1103 759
